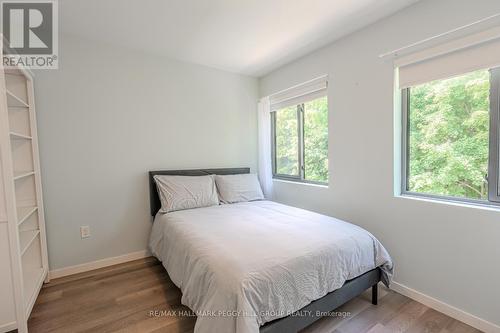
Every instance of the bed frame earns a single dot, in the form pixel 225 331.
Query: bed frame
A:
pixel 313 311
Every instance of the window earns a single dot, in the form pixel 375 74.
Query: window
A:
pixel 300 138
pixel 450 137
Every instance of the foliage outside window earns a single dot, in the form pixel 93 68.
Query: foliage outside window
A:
pixel 448 137
pixel 300 149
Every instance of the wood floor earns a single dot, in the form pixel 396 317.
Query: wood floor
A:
pixel 123 298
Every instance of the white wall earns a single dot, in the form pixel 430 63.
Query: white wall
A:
pixel 449 252
pixel 106 117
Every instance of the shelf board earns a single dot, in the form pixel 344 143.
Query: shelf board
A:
pixel 33 280
pixel 23 213
pixel 26 238
pixel 17 108
pixel 13 100
pixel 19 136
pixel 23 174
pixel 12 71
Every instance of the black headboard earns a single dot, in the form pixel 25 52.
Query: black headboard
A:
pixel 154 200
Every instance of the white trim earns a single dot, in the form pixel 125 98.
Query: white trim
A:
pixel 429 301
pixel 89 266
pixel 450 202
pixel 445 308
pixel 278 180
pixel 8 327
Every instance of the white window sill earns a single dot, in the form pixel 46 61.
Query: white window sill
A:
pixel 450 202
pixel 278 180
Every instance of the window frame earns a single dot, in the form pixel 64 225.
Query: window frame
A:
pixel 300 178
pixel 493 154
pixel 494 151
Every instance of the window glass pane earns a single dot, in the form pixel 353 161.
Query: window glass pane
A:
pixel 287 142
pixel 316 140
pixel 448 136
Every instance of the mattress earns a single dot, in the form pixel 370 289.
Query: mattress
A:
pixel 242 265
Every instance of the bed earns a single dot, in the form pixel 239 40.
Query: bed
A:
pixel 262 266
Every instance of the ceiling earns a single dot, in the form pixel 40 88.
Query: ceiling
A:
pixel 250 37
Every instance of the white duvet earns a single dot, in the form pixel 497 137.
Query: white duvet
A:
pixel 241 265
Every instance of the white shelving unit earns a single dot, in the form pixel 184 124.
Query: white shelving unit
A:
pixel 22 221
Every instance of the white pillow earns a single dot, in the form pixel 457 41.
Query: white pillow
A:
pixel 239 188
pixel 185 192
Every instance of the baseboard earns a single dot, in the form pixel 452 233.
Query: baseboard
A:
pixel 8 327
pixel 429 301
pixel 445 308
pixel 88 266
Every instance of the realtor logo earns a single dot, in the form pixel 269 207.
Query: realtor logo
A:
pixel 29 30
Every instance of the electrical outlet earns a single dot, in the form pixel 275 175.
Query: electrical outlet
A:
pixel 85 231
